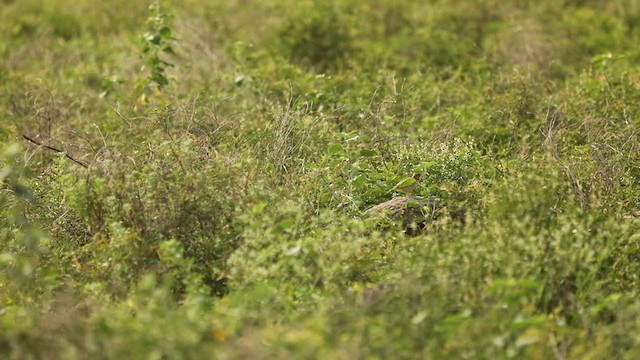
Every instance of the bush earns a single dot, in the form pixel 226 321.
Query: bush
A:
pixel 318 36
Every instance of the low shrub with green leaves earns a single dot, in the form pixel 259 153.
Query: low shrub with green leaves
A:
pixel 202 179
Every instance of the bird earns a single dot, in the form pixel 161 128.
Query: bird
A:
pixel 407 185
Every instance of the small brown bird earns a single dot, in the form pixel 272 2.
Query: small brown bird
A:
pixel 408 185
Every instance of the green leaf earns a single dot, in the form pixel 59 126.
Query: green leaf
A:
pixel 160 79
pixel 335 148
pixel 283 225
pixel 406 183
pixel 359 181
pixel 426 165
pixel 168 50
pixel 367 152
pixel 155 39
pixel 419 317
pixel 165 32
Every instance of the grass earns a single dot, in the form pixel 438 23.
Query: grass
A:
pixel 233 149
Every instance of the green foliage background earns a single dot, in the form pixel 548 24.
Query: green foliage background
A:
pixel 233 148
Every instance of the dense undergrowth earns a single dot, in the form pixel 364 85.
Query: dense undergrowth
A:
pixel 218 159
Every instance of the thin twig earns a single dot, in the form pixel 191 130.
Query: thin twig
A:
pixel 56 150
pixel 117 110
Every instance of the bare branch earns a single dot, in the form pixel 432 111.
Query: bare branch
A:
pixel 56 150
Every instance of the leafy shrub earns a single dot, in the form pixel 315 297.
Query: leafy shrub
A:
pixel 131 213
pixel 318 36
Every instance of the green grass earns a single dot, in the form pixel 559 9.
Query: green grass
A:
pixel 233 148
